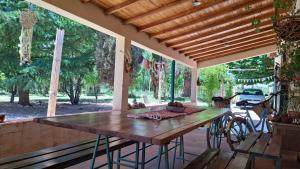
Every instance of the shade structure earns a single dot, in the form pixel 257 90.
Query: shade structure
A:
pixel 214 29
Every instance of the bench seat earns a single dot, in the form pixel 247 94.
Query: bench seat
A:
pixel 61 156
pixel 213 159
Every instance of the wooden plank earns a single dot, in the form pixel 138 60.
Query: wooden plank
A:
pixel 118 125
pixel 245 146
pixel 157 10
pixel 55 72
pixel 221 44
pixel 203 160
pixel 274 148
pixel 76 158
pixel 222 160
pixel 180 15
pixel 180 131
pixel 224 25
pixel 235 47
pixel 120 6
pixel 205 43
pixel 211 12
pixel 42 152
pixel 261 144
pixel 237 51
pixel 241 161
pixel 217 34
pixel 226 46
pixel 54 155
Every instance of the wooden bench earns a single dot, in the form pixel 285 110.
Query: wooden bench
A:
pixel 212 159
pixel 61 156
pixel 264 146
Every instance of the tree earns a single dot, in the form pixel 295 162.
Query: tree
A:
pixel 211 81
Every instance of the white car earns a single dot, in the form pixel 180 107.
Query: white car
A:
pixel 252 95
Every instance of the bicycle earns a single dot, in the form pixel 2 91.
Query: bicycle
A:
pixel 237 127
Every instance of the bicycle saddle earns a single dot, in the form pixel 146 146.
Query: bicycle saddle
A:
pixel 218 99
pixel 243 103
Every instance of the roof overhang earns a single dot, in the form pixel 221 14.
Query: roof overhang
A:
pixel 94 17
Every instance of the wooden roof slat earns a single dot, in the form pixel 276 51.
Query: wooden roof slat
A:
pixel 212 41
pixel 120 6
pixel 180 15
pixel 273 40
pixel 217 12
pixel 222 47
pixel 162 8
pixel 241 38
pixel 266 20
pixel 225 24
pixel 236 51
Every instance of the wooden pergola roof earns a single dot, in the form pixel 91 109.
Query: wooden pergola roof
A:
pixel 214 29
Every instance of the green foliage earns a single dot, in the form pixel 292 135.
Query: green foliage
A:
pixel 252 68
pixel 211 81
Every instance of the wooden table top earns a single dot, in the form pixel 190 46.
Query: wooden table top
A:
pixel 142 130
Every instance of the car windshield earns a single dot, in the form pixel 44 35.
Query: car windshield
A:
pixel 252 92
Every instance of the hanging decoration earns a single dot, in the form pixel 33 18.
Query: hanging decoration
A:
pixel 27 20
pixel 256 80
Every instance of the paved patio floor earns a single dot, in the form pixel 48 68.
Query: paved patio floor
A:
pixel 195 142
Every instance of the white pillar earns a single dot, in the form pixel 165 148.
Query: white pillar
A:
pixel 121 77
pixel 194 85
pixel 298 5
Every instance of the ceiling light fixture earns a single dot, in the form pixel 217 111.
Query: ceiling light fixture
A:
pixel 196 2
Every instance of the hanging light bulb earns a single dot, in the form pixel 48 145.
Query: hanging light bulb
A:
pixel 196 2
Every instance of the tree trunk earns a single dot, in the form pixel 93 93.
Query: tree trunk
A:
pixel 187 84
pixel 154 81
pixel 13 93
pixel 24 97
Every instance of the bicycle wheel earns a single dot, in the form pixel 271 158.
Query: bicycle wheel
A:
pixel 220 132
pixel 238 130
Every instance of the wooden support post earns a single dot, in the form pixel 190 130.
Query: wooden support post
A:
pixel 194 87
pixel 121 77
pixel 55 72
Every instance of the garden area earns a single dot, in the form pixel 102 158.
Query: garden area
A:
pixel 87 69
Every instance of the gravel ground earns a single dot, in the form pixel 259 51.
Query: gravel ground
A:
pixel 14 111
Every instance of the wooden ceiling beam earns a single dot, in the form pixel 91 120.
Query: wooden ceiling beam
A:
pixel 232 37
pixel 120 6
pixel 235 52
pixel 218 33
pixel 223 24
pixel 221 13
pixel 85 1
pixel 180 15
pixel 149 13
pixel 218 42
pixel 271 40
pixel 222 47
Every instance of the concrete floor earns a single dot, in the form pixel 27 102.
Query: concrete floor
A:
pixel 195 142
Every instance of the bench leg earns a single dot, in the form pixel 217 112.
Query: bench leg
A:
pixel 278 164
pixel 159 156
pixel 109 158
pixel 137 150
pixel 143 155
pixel 119 158
pixel 167 156
pixel 175 153
pixel 252 161
pixel 182 148
pixel 95 152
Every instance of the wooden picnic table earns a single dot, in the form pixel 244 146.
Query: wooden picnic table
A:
pixel 140 130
